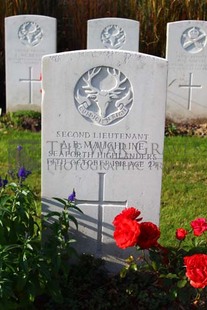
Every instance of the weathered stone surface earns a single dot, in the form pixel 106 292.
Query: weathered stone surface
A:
pixel 113 33
pixel 27 39
pixel 103 132
pixel 187 73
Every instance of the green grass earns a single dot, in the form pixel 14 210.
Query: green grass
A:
pixel 31 154
pixel 184 186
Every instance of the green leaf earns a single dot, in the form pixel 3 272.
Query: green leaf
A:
pixel 154 265
pixel 13 185
pixel 129 259
pixel 11 247
pixel 169 276
pixel 123 272
pixel 72 251
pixel 51 214
pixel 76 208
pixel 28 246
pixel 62 201
pixel 182 283
pixel 134 267
pixel 3 200
pixel 73 219
pixel 21 282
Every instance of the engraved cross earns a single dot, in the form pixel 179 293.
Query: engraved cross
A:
pixel 190 87
pixel 101 202
pixel 30 80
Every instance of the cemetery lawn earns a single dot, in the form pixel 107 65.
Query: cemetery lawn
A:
pixel 184 185
pixel 10 139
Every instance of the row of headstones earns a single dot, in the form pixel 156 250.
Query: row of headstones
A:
pixel 103 115
pixel 29 37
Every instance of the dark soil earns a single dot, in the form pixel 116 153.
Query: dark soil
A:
pixel 32 124
pixel 190 128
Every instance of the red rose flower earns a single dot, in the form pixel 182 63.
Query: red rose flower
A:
pixel 199 226
pixel 181 233
pixel 126 233
pixel 149 234
pixel 129 213
pixel 196 270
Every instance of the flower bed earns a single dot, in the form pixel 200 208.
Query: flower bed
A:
pixel 176 270
pixel 39 275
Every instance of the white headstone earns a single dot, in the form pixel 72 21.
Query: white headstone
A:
pixel 187 70
pixel 27 39
pixel 103 132
pixel 113 33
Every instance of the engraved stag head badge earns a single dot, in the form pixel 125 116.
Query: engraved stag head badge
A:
pixel 103 96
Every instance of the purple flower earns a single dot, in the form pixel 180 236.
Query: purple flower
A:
pixel 72 196
pixel 3 182
pixel 23 173
pixel 19 148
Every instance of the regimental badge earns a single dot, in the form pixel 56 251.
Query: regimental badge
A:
pixel 103 95
pixel 193 40
pixel 30 33
pixel 113 37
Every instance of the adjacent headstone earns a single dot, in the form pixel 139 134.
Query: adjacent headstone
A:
pixel 27 39
pixel 103 132
pixel 113 33
pixel 187 72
